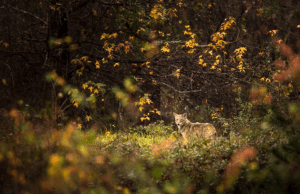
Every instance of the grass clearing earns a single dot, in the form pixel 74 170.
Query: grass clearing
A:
pixel 150 159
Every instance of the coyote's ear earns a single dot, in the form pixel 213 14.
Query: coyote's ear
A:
pixel 174 114
pixel 185 115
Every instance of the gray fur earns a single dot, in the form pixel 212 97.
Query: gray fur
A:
pixel 200 130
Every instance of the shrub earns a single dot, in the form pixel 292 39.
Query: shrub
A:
pixel 148 159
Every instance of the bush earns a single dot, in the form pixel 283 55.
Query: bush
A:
pixel 148 159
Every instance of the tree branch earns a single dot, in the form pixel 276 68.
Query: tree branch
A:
pixel 26 12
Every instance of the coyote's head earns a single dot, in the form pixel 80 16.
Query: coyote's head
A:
pixel 180 119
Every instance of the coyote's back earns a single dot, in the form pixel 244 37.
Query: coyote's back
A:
pixel 200 130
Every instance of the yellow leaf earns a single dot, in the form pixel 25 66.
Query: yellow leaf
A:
pixel 161 33
pixel 91 88
pixel 74 61
pixel 273 32
pixel 84 58
pixel 126 191
pixel 75 103
pixel 104 61
pixel 261 53
pixel 79 73
pixel 97 65
pixel 240 66
pixel 79 126
pixel 96 91
pixel 103 36
pixel 176 75
pixel 151 72
pixel 116 64
pixel 110 57
pixel 148 101
pixel 158 112
pixel 84 85
pixel 165 48
pixel 114 35
pixel 200 61
pixel 141 108
pixel 109 49
pixel 191 51
pixel 88 118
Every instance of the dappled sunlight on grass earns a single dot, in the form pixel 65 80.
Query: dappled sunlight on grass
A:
pixel 152 159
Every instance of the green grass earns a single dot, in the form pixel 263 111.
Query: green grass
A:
pixel 149 159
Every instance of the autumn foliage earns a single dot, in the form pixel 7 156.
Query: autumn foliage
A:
pixel 88 90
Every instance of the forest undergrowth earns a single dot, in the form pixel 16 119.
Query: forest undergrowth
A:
pixel 144 159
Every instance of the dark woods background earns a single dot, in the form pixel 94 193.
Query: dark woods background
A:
pixel 38 37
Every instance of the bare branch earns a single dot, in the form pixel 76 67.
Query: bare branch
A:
pixel 26 12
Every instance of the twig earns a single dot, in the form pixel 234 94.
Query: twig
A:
pixel 251 46
pixel 13 84
pixel 27 13
pixel 182 92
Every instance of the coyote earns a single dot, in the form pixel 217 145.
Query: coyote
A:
pixel 200 130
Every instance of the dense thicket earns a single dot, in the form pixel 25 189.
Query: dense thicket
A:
pixel 38 37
